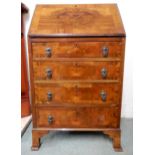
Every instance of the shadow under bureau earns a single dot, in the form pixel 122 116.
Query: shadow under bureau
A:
pixel 76 56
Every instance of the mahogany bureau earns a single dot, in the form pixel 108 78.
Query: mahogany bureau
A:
pixel 76 56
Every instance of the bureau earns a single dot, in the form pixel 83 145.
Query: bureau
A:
pixel 76 56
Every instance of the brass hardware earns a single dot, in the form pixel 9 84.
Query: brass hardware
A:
pixel 105 51
pixel 104 73
pixel 103 95
pixel 50 119
pixel 49 73
pixel 49 96
pixel 48 52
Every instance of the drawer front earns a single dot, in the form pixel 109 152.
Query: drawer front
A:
pixel 76 50
pixel 76 70
pixel 77 93
pixel 81 117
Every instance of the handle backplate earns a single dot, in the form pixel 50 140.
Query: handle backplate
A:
pixel 104 73
pixel 48 51
pixel 103 95
pixel 105 51
pixel 50 119
pixel 49 73
pixel 49 96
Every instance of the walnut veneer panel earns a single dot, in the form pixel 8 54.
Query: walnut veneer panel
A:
pixel 71 49
pixel 77 93
pixel 76 70
pixel 76 20
pixel 78 117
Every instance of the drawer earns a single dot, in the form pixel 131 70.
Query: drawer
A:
pixel 76 70
pixel 76 50
pixel 79 117
pixel 77 93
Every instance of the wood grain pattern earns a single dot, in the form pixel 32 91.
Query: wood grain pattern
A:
pixel 76 70
pixel 76 20
pixel 36 137
pixel 115 135
pixel 78 117
pixel 78 93
pixel 104 39
pixel 76 35
pixel 76 49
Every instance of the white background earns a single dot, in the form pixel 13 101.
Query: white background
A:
pixel 127 99
pixel 139 20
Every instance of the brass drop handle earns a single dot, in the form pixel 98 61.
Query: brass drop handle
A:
pixel 105 51
pixel 49 96
pixel 49 73
pixel 50 119
pixel 103 95
pixel 104 73
pixel 48 51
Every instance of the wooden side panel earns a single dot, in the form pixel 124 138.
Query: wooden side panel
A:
pixel 76 70
pixel 24 80
pixel 75 49
pixel 78 117
pixel 77 93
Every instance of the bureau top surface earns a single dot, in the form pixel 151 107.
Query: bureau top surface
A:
pixel 76 20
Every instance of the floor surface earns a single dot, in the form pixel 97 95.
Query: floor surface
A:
pixel 79 143
pixel 25 121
